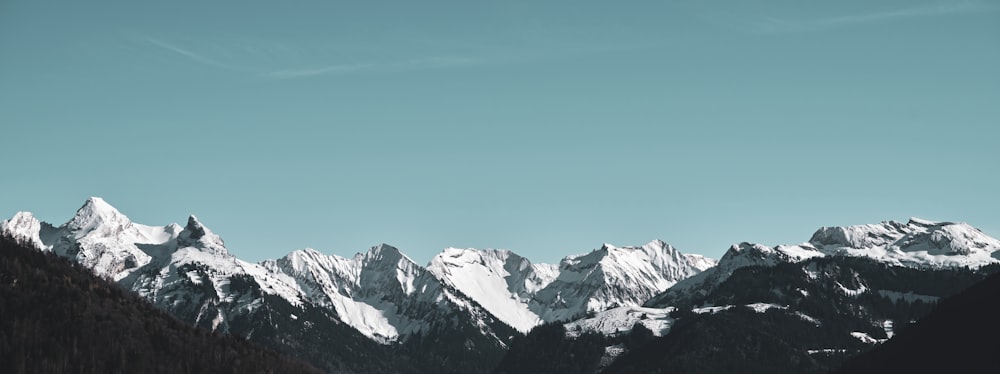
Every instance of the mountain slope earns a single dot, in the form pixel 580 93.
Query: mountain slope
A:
pixel 801 308
pixel 959 335
pixel 801 317
pixel 386 296
pixel 525 295
pixel 499 280
pixel 188 272
pixel 916 243
pixel 56 316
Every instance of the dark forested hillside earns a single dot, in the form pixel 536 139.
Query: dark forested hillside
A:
pixel 803 317
pixel 821 307
pixel 546 349
pixel 57 317
pixel 961 335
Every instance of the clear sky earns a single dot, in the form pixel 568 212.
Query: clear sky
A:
pixel 545 127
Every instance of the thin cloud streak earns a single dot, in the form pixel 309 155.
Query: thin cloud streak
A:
pixel 189 54
pixel 291 73
pixel 774 25
pixel 427 63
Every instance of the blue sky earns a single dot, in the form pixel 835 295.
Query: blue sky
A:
pixel 543 127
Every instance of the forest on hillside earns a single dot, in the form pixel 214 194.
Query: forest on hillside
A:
pixel 57 317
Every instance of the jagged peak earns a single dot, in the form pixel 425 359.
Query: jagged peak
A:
pixel 311 251
pixel 22 217
pixel 454 255
pixel 608 254
pixel 659 243
pixel 97 205
pixel 653 245
pixel 195 227
pixel 660 246
pixel 384 248
pixel 96 211
pixel 196 234
pixel 23 226
pixel 478 251
pixel 384 252
pixel 20 221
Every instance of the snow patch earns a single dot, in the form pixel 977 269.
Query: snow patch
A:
pixel 711 309
pixel 887 325
pixel 865 338
pixel 808 318
pixel 763 307
pixel 825 351
pixel 621 320
pixel 851 292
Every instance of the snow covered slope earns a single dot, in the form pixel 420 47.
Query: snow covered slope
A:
pixel 189 272
pixel 524 295
pixel 365 290
pixel 621 320
pixel 98 236
pixel 916 243
pixel 381 293
pixel 611 277
pixel 185 270
pixel 501 281
pixel 193 275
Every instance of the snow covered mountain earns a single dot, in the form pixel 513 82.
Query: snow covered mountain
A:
pixel 188 271
pixel 917 243
pixel 799 308
pixel 465 299
pixel 524 295
pixel 501 281
pixel 185 270
pixel 98 236
pixel 383 294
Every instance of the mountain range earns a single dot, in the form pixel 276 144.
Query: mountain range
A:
pixel 380 311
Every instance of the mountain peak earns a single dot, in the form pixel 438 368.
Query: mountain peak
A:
pixel 922 222
pixel 23 227
pixel 654 246
pixel 384 249
pixel 384 252
pixel 96 212
pixel 195 234
pixel 746 247
pixel 97 205
pixel 658 243
pixel 195 227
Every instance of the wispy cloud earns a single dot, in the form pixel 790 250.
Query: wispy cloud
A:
pixel 775 25
pixel 425 63
pixel 197 57
pixel 280 57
